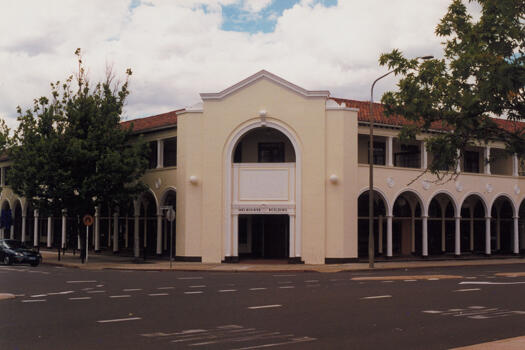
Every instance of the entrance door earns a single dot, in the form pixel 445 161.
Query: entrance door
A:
pixel 266 235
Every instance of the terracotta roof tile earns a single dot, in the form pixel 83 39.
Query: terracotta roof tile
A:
pixel 153 122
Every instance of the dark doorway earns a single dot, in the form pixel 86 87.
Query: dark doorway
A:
pixel 264 236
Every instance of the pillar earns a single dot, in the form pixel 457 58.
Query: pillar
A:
pixel 389 235
pixel 471 222
pixel 424 155
pixel 24 222
pixel 115 231
pixel 413 233
pixel 12 231
pixel 136 248
pixel 389 151
pixel 516 244
pixel 380 234
pixel 49 231
pixel 457 236
pixel 290 235
pixel 443 234
pixel 36 237
pixel 64 222
pixel 515 165
pixel 159 234
pixel 487 235
pixel 109 228
pixel 235 243
pixel 498 231
pixel 97 229
pixel 160 153
pixel 458 164
pixel 487 158
pixel 425 236
pixel 126 233
pixel 145 225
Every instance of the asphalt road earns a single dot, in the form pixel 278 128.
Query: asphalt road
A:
pixel 62 308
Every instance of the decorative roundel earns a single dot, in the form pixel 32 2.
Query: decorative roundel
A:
pixel 390 182
pixel 517 189
pixel 489 188
pixel 459 186
pixel 425 184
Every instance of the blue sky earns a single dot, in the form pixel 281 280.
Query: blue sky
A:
pixel 239 20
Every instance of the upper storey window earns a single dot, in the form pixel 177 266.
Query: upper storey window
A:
pixel 471 162
pixel 152 154
pixel 408 157
pixel 170 152
pixel 264 145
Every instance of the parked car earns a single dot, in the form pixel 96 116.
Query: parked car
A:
pixel 12 251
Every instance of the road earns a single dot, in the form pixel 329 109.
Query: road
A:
pixel 432 308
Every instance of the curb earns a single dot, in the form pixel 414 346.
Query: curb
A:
pixel 5 296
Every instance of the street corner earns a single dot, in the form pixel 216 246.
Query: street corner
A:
pixel 5 296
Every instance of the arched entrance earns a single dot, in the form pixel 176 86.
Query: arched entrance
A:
pixel 380 224
pixel 502 225
pixel 17 220
pixel 6 220
pixel 441 224
pixel 262 187
pixel 148 229
pixel 169 199
pixel 407 226
pixel 473 225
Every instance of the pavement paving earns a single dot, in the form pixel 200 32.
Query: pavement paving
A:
pixel 103 261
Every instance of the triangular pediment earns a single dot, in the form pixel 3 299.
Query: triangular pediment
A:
pixel 263 74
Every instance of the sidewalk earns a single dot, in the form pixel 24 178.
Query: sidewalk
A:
pixel 105 261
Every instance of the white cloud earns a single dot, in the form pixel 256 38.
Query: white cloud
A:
pixel 255 5
pixel 176 49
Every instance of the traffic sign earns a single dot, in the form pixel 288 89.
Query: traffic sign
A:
pixel 87 220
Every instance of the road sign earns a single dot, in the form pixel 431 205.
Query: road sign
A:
pixel 87 220
pixel 170 215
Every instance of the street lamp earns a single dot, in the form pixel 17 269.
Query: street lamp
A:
pixel 371 170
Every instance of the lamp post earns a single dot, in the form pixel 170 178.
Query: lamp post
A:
pixel 371 170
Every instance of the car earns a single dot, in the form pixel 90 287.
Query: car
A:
pixel 12 251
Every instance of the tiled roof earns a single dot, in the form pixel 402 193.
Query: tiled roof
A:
pixel 153 122
pixel 397 120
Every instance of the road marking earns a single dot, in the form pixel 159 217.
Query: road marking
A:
pixel 19 295
pixel 189 278
pixel 200 286
pixel 258 288
pixel 120 320
pixel 96 291
pixel 491 283
pixel 99 285
pixel 432 312
pixel 194 292
pixel 61 293
pixel 157 294
pixel 406 277
pixel 80 298
pixel 33 300
pixel 292 341
pixel 227 290
pixel 89 281
pixel 162 288
pixel 433 279
pixel 286 287
pixel 387 281
pixel 311 281
pixel 131 289
pixel 38 295
pixel 467 290
pixel 378 297
pixel 120 296
pixel 284 282
pixel 264 306
pixel 89 288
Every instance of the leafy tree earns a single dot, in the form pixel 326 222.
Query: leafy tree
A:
pixel 70 151
pixel 482 75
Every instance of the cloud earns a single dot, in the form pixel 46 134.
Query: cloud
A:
pixel 177 49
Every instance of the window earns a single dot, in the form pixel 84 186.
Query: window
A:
pixel 471 162
pixel 6 176
pixel 271 152
pixel 409 157
pixel 379 153
pixel 170 152
pixel 152 154
pixel 237 156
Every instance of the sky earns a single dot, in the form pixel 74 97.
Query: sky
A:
pixel 180 48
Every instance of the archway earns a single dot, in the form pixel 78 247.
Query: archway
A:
pixel 17 220
pixel 264 196
pixel 169 199
pixel 441 225
pixel 473 225
pixel 407 225
pixel 502 225
pixel 380 224
pixel 6 220
pixel 148 227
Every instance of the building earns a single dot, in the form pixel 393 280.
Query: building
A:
pixel 267 169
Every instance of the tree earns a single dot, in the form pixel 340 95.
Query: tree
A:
pixel 481 76
pixel 70 151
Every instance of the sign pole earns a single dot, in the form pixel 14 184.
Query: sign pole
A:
pixel 171 243
pixel 87 242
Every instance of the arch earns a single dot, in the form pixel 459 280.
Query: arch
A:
pixel 165 194
pixel 483 201
pixel 155 200
pixel 4 201
pixel 448 194
pixel 382 193
pixel 228 149
pixel 424 209
pixel 506 196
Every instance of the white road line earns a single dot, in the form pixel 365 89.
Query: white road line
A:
pixel 284 282
pixel 162 288
pixel 189 278
pixel 432 279
pixel 33 300
pixel 90 281
pixel 80 298
pixel 120 320
pixel 100 285
pixel 378 297
pixel 227 290
pixel 258 288
pixel 96 291
pixel 311 281
pixel 157 294
pixel 120 296
pixel 432 312
pixel 199 286
pixel 61 293
pixel 467 290
pixel 286 287
pixel 131 289
pixel 194 292
pixel 491 283
pixel 38 295
pixel 264 306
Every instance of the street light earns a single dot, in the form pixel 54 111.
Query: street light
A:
pixel 371 170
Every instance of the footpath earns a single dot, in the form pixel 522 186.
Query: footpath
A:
pixel 103 261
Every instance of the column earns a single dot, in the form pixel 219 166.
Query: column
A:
pixel 389 151
pixel 12 232
pixel 457 236
pixel 97 229
pixel 24 221
pixel 413 232
pixel 126 233
pixel 136 249
pixel 516 245
pixel 49 231
pixel 145 225
pixel 425 236
pixel 109 228
pixel 160 153
pixel 159 234
pixel 515 165
pixel 458 164
pixel 380 235
pixel 471 229
pixel 443 234
pixel 487 157
pixel 498 232
pixel 64 222
pixel 36 237
pixel 424 155
pixel 115 231
pixel 290 235
pixel 235 224
pixel 389 235
pixel 487 235
pixel 165 243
